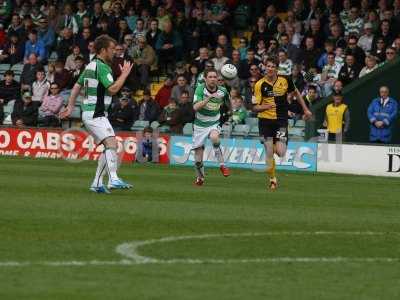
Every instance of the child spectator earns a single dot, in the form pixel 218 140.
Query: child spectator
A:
pixel 148 150
pixel 238 113
pixel 170 117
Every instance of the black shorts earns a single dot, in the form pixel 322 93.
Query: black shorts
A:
pixel 277 129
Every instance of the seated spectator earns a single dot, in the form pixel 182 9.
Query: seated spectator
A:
pixel 36 46
pixel 76 73
pixel 50 108
pixel 51 69
pixel 139 30
pixel 83 41
pixel 323 59
pixel 244 69
pixel 149 109
pixel 65 44
pixel 243 47
pixel 28 75
pixel 310 54
pixel 365 41
pixel 356 51
pixel 180 87
pixel 67 20
pixel 145 60
pixel 337 119
pixel 237 112
pixel 378 50
pixel 311 98
pixel 13 50
pixel 40 87
pixel 261 50
pixel 355 24
pixel 61 75
pixel 223 42
pixel 193 74
pixel 350 71
pixel 169 46
pixel 170 117
pixel 217 16
pixel 9 91
pixel 248 92
pixel 370 65
pixel 25 112
pixel 390 56
pixel 196 34
pixel 92 52
pixel 185 107
pixel 260 33
pixel 123 30
pixel 298 78
pixel 382 114
pixel 316 33
pixel 271 19
pixel 285 64
pixel 122 115
pixel 200 61
pixel 70 62
pixel 385 33
pixel 16 27
pixel 164 93
pixel 293 52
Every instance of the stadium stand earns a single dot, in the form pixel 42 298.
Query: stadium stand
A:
pixel 305 30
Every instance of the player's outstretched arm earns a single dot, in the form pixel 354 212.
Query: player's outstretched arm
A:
pixel 200 104
pixel 299 98
pixel 125 71
pixel 65 113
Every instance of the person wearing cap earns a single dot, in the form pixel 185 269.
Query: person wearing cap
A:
pixel 10 90
pixel 123 115
pixel 145 60
pixel 25 112
pixel 365 41
pixel 46 34
pixel 149 109
pixel 337 118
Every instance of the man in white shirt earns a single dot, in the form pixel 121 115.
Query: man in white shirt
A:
pixel 365 41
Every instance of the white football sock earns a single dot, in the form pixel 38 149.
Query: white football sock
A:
pixel 111 163
pixel 101 171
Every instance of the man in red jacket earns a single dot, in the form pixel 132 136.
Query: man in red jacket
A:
pixel 164 94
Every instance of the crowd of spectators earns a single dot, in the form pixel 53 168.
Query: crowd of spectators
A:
pixel 322 45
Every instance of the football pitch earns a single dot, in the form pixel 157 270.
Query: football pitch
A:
pixel 320 236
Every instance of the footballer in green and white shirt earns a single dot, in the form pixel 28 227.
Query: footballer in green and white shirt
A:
pixel 207 102
pixel 98 85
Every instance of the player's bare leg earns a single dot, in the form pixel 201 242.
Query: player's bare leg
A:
pixel 270 163
pixel 214 136
pixel 199 166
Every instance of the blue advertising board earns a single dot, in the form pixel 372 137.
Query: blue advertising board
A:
pixel 245 153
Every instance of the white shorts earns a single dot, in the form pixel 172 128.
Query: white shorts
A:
pixel 100 128
pixel 200 134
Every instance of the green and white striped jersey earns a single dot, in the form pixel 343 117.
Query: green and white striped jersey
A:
pixel 354 27
pixel 200 79
pixel 96 79
pixel 209 115
pixel 285 68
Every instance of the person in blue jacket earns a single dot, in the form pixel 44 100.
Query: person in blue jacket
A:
pixel 382 113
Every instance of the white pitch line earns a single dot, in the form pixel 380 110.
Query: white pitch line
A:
pixel 131 249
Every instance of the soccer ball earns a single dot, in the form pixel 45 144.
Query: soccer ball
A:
pixel 228 71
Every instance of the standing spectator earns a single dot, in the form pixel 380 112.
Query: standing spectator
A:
pixel 46 34
pixel 217 16
pixel 197 33
pixel 81 13
pixel 40 87
pixel 149 109
pixel 248 92
pixel 61 75
pixel 223 42
pixel 92 52
pixel 285 64
pixel 271 19
pixel 337 119
pixel 122 115
pixel 293 53
pixel 310 54
pixel 365 41
pixel 70 62
pixel 153 33
pixel 316 33
pixel 220 59
pixel 144 59
pixel 169 46
pixel 201 60
pixel 123 30
pixel 164 94
pixel 13 51
pixel 83 41
pixel 350 71
pixel 36 46
pixel 181 86
pixel 25 112
pixel 382 113
pixel 9 91
pixel 330 73
pixel 28 74
pixel 65 44
pixel 51 106
pixel 67 20
pixel 311 98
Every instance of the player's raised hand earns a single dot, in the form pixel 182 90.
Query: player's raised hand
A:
pixel 307 115
pixel 126 67
pixel 65 112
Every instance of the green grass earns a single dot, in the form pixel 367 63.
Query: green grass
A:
pixel 47 214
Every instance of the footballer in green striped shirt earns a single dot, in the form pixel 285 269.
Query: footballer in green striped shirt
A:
pixel 207 102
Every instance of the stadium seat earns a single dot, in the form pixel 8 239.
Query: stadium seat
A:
pixel 226 129
pixel 300 123
pixel 53 56
pixel 251 122
pixel 17 69
pixel 241 130
pixel 188 129
pixel 164 129
pixel 254 131
pixel 4 67
pixel 154 125
pixel 140 125
pixel 295 131
pixel 290 123
pixel 7 120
